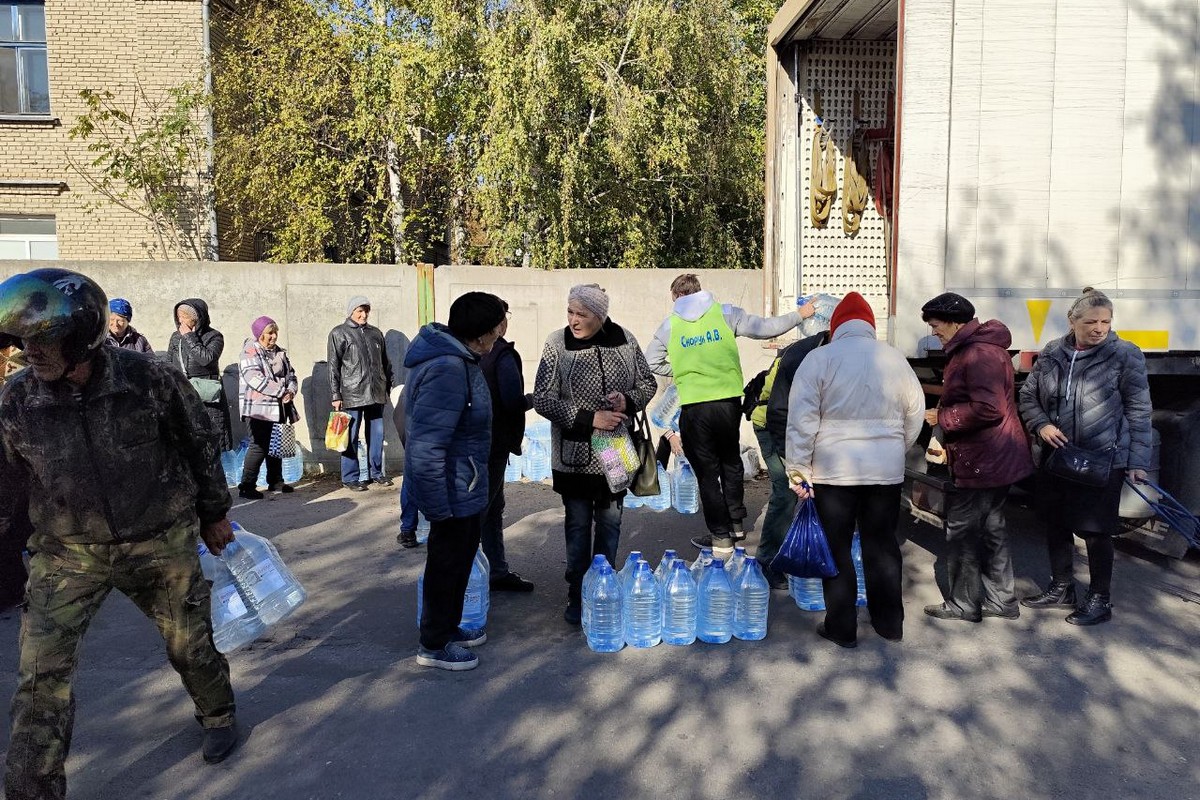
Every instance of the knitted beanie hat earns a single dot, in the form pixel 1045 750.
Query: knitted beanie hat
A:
pixel 591 297
pixel 259 325
pixel 853 306
pixel 949 307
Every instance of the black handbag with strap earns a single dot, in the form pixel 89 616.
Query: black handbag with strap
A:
pixel 645 480
pixel 1075 464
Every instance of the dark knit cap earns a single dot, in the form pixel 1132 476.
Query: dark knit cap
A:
pixel 474 314
pixel 948 307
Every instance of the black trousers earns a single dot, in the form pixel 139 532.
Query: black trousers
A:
pixel 978 561
pixel 874 510
pixel 451 552
pixel 260 442
pixel 710 441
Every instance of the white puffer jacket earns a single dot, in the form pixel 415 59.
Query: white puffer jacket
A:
pixel 855 408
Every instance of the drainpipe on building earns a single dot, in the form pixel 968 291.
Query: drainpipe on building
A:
pixel 206 22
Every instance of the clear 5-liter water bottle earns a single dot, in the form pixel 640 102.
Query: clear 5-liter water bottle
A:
pixel 643 604
pixel 537 461
pixel 234 622
pixel 606 630
pixel 588 578
pixel 663 570
pixel 422 528
pixel 513 471
pixel 679 606
pixel 630 565
pixel 263 579
pixel 293 467
pixel 665 409
pixel 703 560
pixel 632 501
pixel 808 593
pixel 856 557
pixel 736 562
pixel 232 461
pixel 364 470
pixel 477 601
pixel 662 500
pixel 686 489
pixel 753 603
pixel 714 616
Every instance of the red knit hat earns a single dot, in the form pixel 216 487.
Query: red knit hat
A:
pixel 853 306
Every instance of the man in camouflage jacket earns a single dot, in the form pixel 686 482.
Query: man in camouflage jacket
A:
pixel 113 454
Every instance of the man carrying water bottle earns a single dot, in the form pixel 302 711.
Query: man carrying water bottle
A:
pixel 697 345
pixel 114 454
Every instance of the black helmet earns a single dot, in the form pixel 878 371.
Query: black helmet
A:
pixel 56 305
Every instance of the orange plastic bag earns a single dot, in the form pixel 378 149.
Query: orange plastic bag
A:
pixel 337 432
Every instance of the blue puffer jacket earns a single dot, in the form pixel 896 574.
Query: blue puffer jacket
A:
pixel 448 421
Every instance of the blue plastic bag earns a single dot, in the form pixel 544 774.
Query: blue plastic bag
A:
pixel 805 551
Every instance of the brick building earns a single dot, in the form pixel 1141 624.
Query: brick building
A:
pixel 49 51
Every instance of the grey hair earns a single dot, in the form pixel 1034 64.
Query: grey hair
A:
pixel 1091 298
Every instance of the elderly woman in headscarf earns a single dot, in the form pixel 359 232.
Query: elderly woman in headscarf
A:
pixel 120 332
pixel 267 386
pixel 592 377
pixel 196 348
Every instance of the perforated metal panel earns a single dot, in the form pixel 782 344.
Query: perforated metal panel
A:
pixel 831 261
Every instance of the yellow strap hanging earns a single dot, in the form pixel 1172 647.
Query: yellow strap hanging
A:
pixel 855 175
pixel 824 177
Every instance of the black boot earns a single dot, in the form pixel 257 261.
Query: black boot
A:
pixel 1094 610
pixel 1058 595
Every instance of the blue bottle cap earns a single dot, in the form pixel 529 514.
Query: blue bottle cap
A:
pixel 718 563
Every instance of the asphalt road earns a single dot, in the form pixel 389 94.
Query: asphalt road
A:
pixel 333 704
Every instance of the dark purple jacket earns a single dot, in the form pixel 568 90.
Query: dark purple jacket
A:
pixel 978 412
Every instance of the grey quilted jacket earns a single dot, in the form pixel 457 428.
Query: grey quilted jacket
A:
pixel 1099 398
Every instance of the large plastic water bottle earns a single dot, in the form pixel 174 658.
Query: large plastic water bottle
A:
pixel 686 489
pixel 736 562
pixel 630 565
pixel 422 528
pixel 478 598
pixel 632 501
pixel 665 410
pixel 588 578
pixel 232 462
pixel 234 622
pixel 364 471
pixel 679 606
pixel 662 500
pixel 703 560
pixel 513 471
pixel 663 570
pixel 261 576
pixel 856 557
pixel 606 629
pixel 753 603
pixel 714 615
pixel 808 593
pixel 643 604
pixel 293 467
pixel 537 461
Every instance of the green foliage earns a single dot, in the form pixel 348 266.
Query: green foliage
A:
pixel 149 154
pixel 564 133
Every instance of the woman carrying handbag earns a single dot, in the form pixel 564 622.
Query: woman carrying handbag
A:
pixel 267 387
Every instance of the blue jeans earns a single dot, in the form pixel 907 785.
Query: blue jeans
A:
pixel 408 509
pixel 373 431
pixel 782 505
pixel 583 544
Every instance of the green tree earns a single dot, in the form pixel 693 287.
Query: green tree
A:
pixel 624 133
pixel 149 154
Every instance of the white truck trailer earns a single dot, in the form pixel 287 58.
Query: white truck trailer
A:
pixel 1013 151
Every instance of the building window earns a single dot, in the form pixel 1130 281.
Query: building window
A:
pixel 28 238
pixel 24 81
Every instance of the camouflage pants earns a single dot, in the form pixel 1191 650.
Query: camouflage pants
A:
pixel 65 590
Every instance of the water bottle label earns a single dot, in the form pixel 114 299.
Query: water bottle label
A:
pixel 263 581
pixel 230 599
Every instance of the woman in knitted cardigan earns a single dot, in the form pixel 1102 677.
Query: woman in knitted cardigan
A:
pixel 592 377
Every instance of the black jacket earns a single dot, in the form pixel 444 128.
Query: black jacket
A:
pixel 360 373
pixel 198 354
pixel 502 370
pixel 781 389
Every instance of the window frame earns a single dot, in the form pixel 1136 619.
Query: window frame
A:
pixel 19 47
pixel 27 239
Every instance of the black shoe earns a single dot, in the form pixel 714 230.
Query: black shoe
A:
pixel 1000 613
pixel 512 582
pixel 1058 595
pixel 407 539
pixel 355 487
pixel 775 579
pixel 1094 610
pixel 250 493
pixel 891 636
pixel 283 488
pixel 219 743
pixel 739 532
pixel 945 611
pixel 840 643
pixel 573 615
pixel 382 481
pixel 701 542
